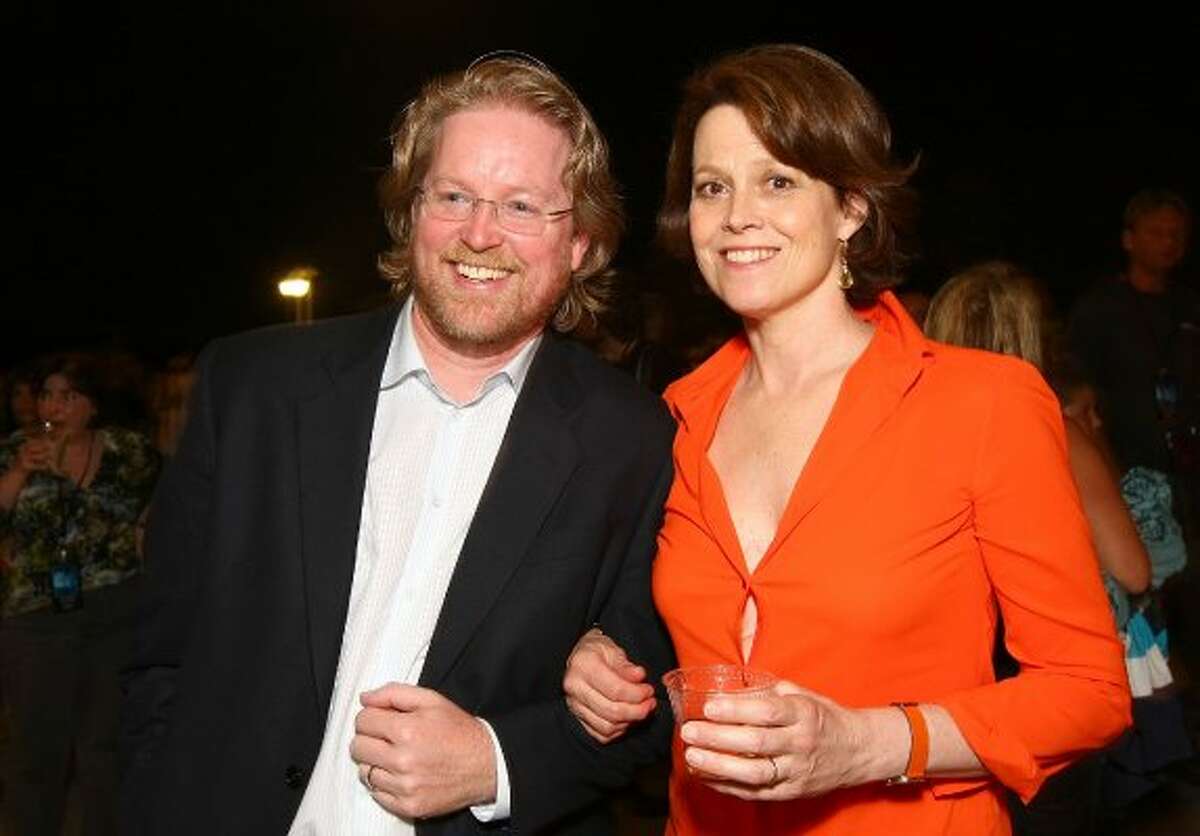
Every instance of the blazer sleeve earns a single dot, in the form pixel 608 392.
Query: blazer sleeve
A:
pixel 175 551
pixel 554 767
pixel 1071 694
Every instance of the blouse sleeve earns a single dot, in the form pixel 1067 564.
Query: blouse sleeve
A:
pixel 1071 694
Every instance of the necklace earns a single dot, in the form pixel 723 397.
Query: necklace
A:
pixel 76 484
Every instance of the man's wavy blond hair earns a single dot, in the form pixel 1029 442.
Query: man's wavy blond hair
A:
pixel 525 85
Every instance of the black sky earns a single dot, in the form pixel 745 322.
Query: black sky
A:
pixel 174 159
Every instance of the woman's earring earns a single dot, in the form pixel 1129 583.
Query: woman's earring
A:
pixel 846 280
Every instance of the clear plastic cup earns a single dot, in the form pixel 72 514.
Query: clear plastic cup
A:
pixel 690 688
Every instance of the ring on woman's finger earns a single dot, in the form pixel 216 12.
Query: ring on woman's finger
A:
pixel 774 772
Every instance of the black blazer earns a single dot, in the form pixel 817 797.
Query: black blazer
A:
pixel 250 554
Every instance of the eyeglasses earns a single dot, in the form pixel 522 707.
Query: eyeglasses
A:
pixel 518 216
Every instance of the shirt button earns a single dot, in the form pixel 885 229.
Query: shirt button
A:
pixel 437 502
pixel 293 777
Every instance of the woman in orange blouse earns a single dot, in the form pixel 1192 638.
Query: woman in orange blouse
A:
pixel 852 503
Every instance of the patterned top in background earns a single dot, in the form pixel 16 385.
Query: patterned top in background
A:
pixel 1147 492
pixel 97 525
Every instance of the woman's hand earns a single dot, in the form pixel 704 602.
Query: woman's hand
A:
pixel 792 743
pixel 34 454
pixel 605 691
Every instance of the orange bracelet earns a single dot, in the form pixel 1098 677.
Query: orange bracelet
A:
pixel 918 754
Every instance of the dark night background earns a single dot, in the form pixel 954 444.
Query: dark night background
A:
pixel 173 159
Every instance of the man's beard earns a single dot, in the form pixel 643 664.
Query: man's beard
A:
pixel 483 326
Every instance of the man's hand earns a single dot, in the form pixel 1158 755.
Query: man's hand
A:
pixel 605 691
pixel 425 755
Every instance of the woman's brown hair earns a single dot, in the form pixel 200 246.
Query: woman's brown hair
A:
pixel 811 114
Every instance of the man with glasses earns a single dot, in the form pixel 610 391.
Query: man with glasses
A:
pixel 382 536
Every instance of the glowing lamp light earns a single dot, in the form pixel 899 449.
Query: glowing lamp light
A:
pixel 295 287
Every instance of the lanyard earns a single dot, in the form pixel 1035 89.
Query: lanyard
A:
pixel 76 486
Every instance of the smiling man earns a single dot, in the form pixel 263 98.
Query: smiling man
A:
pixel 382 536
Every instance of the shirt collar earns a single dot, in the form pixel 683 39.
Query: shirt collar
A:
pixel 405 360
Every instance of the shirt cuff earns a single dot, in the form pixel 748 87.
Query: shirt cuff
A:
pixel 501 808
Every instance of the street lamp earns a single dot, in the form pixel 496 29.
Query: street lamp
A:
pixel 298 285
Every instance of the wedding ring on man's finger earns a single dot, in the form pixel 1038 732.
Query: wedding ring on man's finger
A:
pixel 367 779
pixel 774 772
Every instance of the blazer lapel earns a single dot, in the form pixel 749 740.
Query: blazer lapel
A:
pixel 334 433
pixel 535 460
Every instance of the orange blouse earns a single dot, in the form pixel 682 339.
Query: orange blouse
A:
pixel 938 489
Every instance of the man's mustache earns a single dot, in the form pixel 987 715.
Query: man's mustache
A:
pixel 493 259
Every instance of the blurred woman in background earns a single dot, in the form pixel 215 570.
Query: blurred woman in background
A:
pixel 22 400
pixel 73 492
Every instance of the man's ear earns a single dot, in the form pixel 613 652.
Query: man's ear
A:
pixel 579 247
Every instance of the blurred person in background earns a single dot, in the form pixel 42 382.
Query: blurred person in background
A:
pixel 73 492
pixel 633 337
pixel 167 400
pixel 1136 337
pixel 915 301
pixel 22 399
